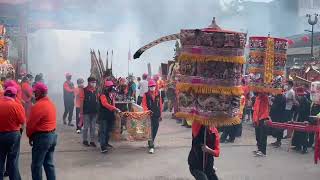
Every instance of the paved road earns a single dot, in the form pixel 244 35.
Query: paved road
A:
pixel 131 161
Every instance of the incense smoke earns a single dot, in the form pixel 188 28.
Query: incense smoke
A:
pixel 124 23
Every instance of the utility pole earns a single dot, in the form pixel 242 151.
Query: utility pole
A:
pixel 312 22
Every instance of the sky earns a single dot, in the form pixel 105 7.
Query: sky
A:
pixel 131 25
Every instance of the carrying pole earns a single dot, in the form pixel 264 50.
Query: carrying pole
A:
pixel 204 154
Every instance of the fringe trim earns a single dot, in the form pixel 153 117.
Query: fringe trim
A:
pixel 207 89
pixel 259 54
pixel 213 121
pixel 262 89
pixel 2 42
pixel 205 58
pixel 136 115
pixel 261 70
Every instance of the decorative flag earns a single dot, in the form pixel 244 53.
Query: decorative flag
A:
pixel 290 42
pixel 305 38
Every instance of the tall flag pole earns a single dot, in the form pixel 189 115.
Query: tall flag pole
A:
pixel 129 58
pixel 107 61
pixel 111 59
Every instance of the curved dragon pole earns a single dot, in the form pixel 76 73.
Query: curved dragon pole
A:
pixel 154 43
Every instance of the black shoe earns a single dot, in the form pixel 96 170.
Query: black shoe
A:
pixel 70 124
pixel 296 148
pixel 304 151
pixel 222 140
pixel 86 143
pixel 229 141
pixel 64 122
pixel 93 144
pixel 276 144
pixel 104 150
pixel 5 174
pixel 109 146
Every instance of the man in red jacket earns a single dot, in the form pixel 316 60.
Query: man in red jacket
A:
pixel 260 116
pixel 152 102
pixel 12 116
pixel 106 115
pixel 41 128
pixel 68 97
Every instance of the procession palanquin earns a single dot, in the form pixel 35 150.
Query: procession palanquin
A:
pixel 5 67
pixel 211 62
pixel 136 122
pixel 210 66
pixel 267 60
pixel 137 125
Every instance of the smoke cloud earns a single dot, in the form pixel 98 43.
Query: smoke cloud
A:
pixel 126 23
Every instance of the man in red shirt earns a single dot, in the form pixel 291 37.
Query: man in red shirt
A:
pixel 211 149
pixel 68 97
pixel 78 93
pixel 26 94
pixel 41 132
pixel 260 116
pixel 106 115
pixel 12 116
pixel 12 83
pixel 152 102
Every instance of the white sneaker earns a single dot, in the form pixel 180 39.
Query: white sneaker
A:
pixel 260 154
pixel 78 131
pixel 255 152
pixel 151 150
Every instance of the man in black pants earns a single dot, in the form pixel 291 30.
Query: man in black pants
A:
pixel 12 116
pixel 106 116
pixel 260 116
pixel 315 110
pixel 152 102
pixel 68 97
pixel 277 114
pixel 228 131
pixel 199 169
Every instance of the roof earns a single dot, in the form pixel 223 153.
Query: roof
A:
pixel 303 51
pixel 299 42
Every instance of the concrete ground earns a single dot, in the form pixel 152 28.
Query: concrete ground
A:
pixel 131 161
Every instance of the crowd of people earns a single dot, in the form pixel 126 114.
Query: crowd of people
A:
pixel 96 104
pixel 293 105
pixel 27 104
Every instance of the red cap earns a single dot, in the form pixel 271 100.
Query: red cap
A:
pixel 41 87
pixel 68 74
pixel 10 83
pixel 145 75
pixel 12 89
pixel 156 77
pixel 152 83
pixel 123 80
pixel 108 83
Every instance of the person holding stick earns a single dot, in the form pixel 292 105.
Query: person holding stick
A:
pixel 205 146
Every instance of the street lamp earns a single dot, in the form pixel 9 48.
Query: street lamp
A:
pixel 312 22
